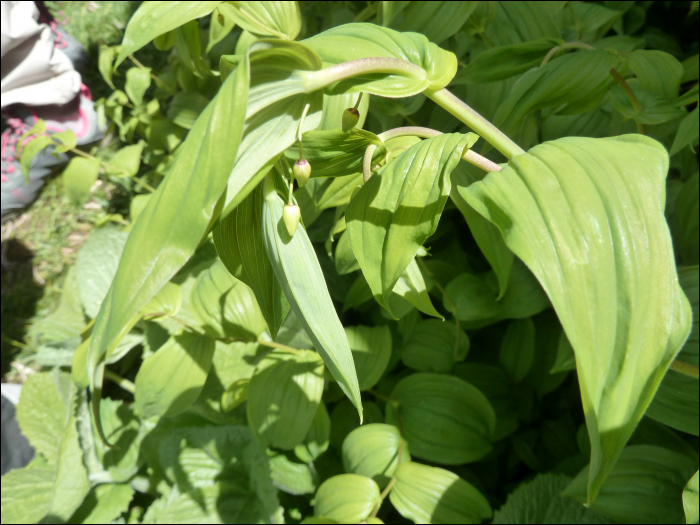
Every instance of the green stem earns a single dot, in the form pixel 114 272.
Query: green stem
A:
pixel 137 180
pixel 686 369
pixel 568 45
pixel 641 128
pixel 316 80
pixel 357 104
pixel 479 124
pixel 124 383
pixel 280 346
pixel 382 496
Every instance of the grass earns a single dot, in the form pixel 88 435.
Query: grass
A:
pixel 39 245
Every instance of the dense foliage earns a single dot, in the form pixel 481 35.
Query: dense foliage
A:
pixel 481 305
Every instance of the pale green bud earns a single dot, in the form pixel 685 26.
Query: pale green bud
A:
pixel 291 216
pixel 302 171
pixel 350 119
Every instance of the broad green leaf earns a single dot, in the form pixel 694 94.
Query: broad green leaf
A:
pixel 411 286
pixel 236 394
pixel 78 177
pixel 166 302
pixel 67 321
pixel 317 438
pixel 690 500
pixel 657 71
pixel 334 153
pixel 104 504
pixel 371 351
pixel 594 235
pixel 495 384
pixel 572 83
pixel 298 271
pixel 30 150
pixel 225 306
pixel 438 21
pixel 684 221
pixel 644 486
pixel 655 109
pixel 128 160
pixel 415 65
pixel 344 419
pixel 96 264
pixel 292 476
pixel 345 261
pixel 688 132
pixel 335 105
pixel 513 23
pixel 168 231
pixel 105 63
pixel 518 349
pixel 435 346
pixel 138 80
pixel 155 18
pixel 278 19
pixel 498 63
pixel 170 380
pixel 373 450
pixel 399 208
pixel 566 360
pixel 347 498
pixel 280 72
pixel 55 486
pixel 222 21
pixel 426 494
pixel 239 242
pixel 283 396
pixel 676 402
pixel 591 21
pixel 122 428
pixel 540 501
pixel 333 191
pixel 64 140
pixel 189 49
pixel 185 108
pixel 443 418
pixel 471 298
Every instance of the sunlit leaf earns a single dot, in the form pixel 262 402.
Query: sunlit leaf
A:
pixel 104 504
pixel 283 396
pixel 592 230
pixel 317 438
pixel 371 351
pixel 426 494
pixel 298 271
pixel 373 450
pixel 347 498
pixel 278 19
pixel 399 208
pixel 78 177
pixel 690 500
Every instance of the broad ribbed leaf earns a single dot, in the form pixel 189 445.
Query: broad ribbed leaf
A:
pixel 676 402
pixel 373 451
pixel 226 307
pixel 239 243
pixel 431 405
pixel 657 71
pixel 174 222
pixel 347 498
pixel 335 105
pixel 292 476
pixel 371 351
pixel 278 19
pixel 105 504
pixel 687 132
pixel 122 428
pixel 690 500
pixel 299 272
pixel 436 20
pixel 498 63
pixel 645 486
pixel 167 302
pixel 592 231
pixel 317 438
pixel 55 486
pixel 283 396
pixel 426 494
pixel 518 349
pixel 411 286
pixel 170 380
pixel 78 177
pixel 435 346
pixel 425 65
pixel 572 83
pixel 399 208
pixel 152 19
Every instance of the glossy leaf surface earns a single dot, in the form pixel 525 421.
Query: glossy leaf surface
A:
pixel 298 271
pixel 399 208
pixel 426 494
pixel 593 233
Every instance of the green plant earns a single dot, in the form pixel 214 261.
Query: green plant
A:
pixel 453 347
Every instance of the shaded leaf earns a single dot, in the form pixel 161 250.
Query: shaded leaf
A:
pixel 657 71
pixel 518 349
pixel 436 20
pixel 371 351
pixel 435 346
pixel 104 504
pixel 317 438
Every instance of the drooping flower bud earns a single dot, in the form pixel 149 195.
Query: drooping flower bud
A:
pixel 302 171
pixel 290 216
pixel 350 119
